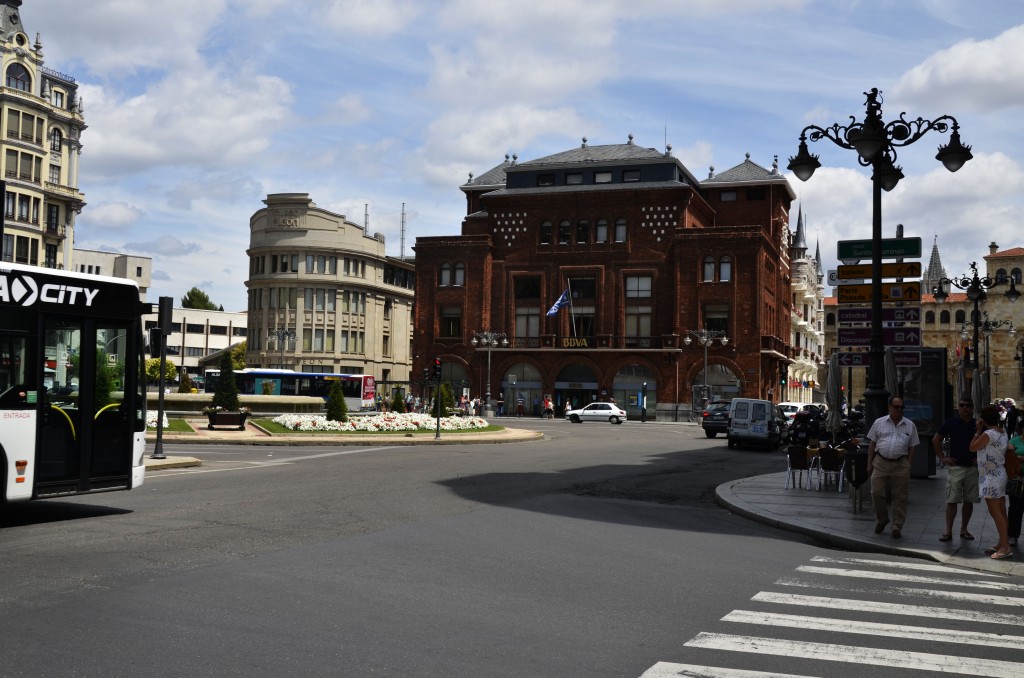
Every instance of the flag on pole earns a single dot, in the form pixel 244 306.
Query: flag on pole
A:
pixel 562 301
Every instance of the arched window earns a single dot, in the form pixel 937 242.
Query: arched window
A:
pixel 1015 274
pixel 446 275
pixel 620 230
pixel 961 317
pixel 582 231
pixel 830 319
pixel 460 275
pixel 1001 275
pixel 18 78
pixel 725 269
pixel 564 232
pixel 929 318
pixel 56 140
pixel 709 269
pixel 944 317
pixel 545 233
pixel 601 232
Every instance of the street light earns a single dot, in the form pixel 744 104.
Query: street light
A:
pixel 489 340
pixel 976 287
pixel 704 337
pixel 987 328
pixel 876 142
pixel 282 338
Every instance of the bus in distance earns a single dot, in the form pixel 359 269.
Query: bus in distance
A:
pixel 359 389
pixel 72 383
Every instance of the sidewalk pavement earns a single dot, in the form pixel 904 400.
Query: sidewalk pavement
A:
pixel 828 516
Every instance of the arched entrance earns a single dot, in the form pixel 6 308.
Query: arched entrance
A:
pixel 628 387
pixel 575 386
pixel 521 385
pixel 722 384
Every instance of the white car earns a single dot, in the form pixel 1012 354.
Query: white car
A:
pixel 609 412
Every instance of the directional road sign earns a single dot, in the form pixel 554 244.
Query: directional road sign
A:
pixel 909 315
pixel 834 280
pixel 892 336
pixel 861 294
pixel 907 269
pixel 900 358
pixel 892 248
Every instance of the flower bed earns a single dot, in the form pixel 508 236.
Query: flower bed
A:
pixel 151 419
pixel 379 423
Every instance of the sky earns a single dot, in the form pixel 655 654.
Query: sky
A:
pixel 197 109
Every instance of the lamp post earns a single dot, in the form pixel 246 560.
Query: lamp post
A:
pixel 987 328
pixel 976 287
pixel 876 142
pixel 704 337
pixel 489 340
pixel 283 336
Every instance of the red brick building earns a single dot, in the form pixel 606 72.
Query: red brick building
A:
pixel 650 256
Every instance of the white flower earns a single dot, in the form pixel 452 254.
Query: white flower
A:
pixel 377 423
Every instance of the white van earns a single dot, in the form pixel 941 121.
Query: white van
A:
pixel 757 422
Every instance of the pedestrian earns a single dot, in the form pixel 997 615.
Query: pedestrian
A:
pixel 991 445
pixel 520 405
pixel 1015 512
pixel 962 473
pixel 892 441
pixel 1012 416
pixel 501 405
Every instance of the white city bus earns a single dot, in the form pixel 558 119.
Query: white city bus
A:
pixel 72 383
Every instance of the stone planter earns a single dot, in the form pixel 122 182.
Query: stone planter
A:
pixel 234 419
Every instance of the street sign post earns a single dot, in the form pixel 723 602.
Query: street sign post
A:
pixel 908 315
pixel 905 269
pixel 900 358
pixel 892 248
pixel 892 336
pixel 861 294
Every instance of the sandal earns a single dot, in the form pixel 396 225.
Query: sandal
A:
pixel 991 549
pixel 946 537
pixel 999 555
pixel 966 535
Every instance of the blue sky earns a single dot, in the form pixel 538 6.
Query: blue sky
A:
pixel 197 109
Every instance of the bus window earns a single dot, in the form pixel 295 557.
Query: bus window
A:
pixel 17 385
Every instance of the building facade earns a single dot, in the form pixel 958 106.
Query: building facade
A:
pixel 127 266
pixel 197 334
pixel 807 322
pixel 323 296
pixel 42 121
pixel 647 255
pixel 944 324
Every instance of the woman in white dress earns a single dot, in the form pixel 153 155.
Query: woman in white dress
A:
pixel 990 443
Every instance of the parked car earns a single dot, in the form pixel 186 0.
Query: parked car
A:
pixel 715 418
pixel 758 422
pixel 790 409
pixel 609 412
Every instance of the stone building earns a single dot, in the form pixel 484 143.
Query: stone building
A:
pixel 807 322
pixel 323 296
pixel 944 323
pixel 43 124
pixel 647 255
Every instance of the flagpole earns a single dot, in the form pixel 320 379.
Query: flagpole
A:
pixel 572 311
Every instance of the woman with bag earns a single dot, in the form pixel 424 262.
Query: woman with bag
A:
pixel 991 445
pixel 1015 486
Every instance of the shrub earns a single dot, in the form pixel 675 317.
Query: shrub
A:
pixel 398 403
pixel 226 396
pixel 337 408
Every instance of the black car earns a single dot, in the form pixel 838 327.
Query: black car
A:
pixel 715 418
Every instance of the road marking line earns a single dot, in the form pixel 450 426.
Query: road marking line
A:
pixel 936 663
pixel 960 596
pixel 981 616
pixel 668 670
pixel 262 464
pixel 895 576
pixel 875 629
pixel 926 567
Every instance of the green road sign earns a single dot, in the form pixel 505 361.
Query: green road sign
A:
pixel 892 248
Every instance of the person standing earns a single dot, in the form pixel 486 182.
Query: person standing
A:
pixel 892 441
pixel 990 443
pixel 962 473
pixel 1015 512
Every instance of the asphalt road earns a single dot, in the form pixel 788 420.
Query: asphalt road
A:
pixel 597 551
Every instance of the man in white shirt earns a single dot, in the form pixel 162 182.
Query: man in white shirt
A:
pixel 892 441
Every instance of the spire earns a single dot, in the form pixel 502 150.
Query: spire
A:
pixel 935 271
pixel 817 261
pixel 799 246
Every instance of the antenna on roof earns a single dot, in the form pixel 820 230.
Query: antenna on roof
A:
pixel 666 134
pixel 401 241
pixel 366 217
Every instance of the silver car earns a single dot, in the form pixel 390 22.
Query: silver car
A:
pixel 609 412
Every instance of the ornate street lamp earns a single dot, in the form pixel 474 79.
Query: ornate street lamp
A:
pixel 283 336
pixel 976 287
pixel 876 142
pixel 489 340
pixel 987 328
pixel 704 337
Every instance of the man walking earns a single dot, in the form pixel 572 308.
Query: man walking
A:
pixel 962 476
pixel 892 441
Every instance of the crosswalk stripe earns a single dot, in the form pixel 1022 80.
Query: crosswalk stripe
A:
pixel 895 576
pixel 875 629
pixel 936 663
pixel 669 670
pixel 921 567
pixel 983 616
pixel 959 596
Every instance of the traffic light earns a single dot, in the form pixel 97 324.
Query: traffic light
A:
pixel 426 374
pixel 437 369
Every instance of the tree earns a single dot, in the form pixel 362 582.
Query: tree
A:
pixel 445 399
pixel 196 298
pixel 186 383
pixel 397 402
pixel 337 408
pixel 226 395
pixel 153 370
pixel 238 355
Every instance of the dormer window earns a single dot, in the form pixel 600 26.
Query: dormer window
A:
pixel 18 78
pixel 602 177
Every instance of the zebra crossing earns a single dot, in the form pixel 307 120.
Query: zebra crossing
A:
pixel 879 617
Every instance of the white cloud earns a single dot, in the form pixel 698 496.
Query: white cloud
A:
pixel 377 18
pixel 350 109
pixel 164 246
pixel 114 216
